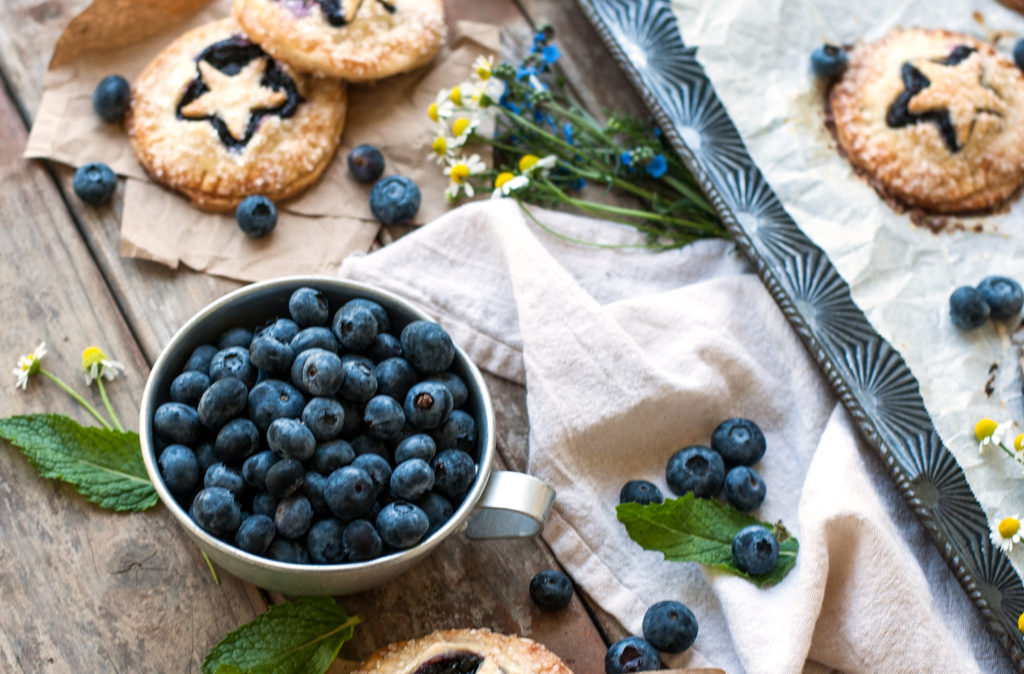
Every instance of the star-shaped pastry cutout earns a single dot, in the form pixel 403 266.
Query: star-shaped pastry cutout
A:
pixel 234 98
pixel 958 88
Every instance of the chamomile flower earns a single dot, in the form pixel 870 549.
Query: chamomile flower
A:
pixel 462 128
pixel 990 434
pixel 506 183
pixel 442 106
pixel 459 171
pixel 482 67
pixel 487 92
pixel 95 364
pixel 1005 532
pixel 28 365
pixel 530 164
pixel 440 150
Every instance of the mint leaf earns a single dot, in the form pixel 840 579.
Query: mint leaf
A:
pixel 104 466
pixel 690 529
pixel 299 637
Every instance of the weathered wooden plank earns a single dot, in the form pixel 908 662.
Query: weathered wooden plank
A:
pixel 83 589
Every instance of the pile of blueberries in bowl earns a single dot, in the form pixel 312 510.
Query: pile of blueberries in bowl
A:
pixel 314 435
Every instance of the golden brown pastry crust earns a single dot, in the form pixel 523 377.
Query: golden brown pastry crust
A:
pixel 983 94
pixel 501 653
pixel 283 156
pixel 376 43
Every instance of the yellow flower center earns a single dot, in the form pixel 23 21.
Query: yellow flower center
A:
pixel 93 355
pixel 1008 527
pixel 1018 442
pixel 483 72
pixel 460 125
pixel 456 96
pixel 1020 622
pixel 527 162
pixel 503 178
pixel 984 429
pixel 439 146
pixel 432 111
pixel 28 362
pixel 460 173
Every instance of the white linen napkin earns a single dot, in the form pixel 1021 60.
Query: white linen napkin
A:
pixel 629 355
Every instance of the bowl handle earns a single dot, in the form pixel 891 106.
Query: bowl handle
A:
pixel 513 505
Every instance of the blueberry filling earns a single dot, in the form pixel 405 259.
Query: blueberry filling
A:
pixel 914 81
pixel 230 56
pixel 462 662
pixel 334 13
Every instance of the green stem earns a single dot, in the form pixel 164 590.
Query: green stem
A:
pixel 82 401
pixel 213 572
pixel 1008 452
pixel 106 401
pixel 570 239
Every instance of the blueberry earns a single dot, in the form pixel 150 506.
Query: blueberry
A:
pixel 224 400
pixel 358 383
pixel 427 405
pixel 177 423
pixel 289 438
pixel 324 541
pixel 755 550
pixel 315 337
pixel 273 399
pixel 216 511
pixel 551 590
pixel 1018 54
pixel 395 377
pixel 739 441
pixel 111 97
pixel 428 347
pixel 201 359
pixel 332 455
pixel 697 469
pixel 454 473
pixel 384 346
pixel 401 525
pixel 394 200
pixel 324 417
pixel 355 327
pixel 359 359
pixel 207 457
pixel 378 468
pixel 828 61
pixel 361 541
pixel 94 183
pixel 437 508
pixel 281 329
pixel 284 478
pixel 270 355
pixel 455 386
pixel 1003 296
pixel 380 314
pixel 367 444
pixel 411 479
pixel 294 516
pixel 419 446
pixel 188 387
pixel 313 489
pixel 227 477
pixel 236 441
pixel 744 488
pixel 255 534
pixel 321 372
pixel 264 503
pixel 180 469
pixel 365 163
pixel 457 432
pixel 233 362
pixel 670 626
pixel 383 418
pixel 640 491
pixel 631 654
pixel 256 215
pixel 254 468
pixel 308 307
pixel 350 493
pixel 968 308
pixel 235 337
pixel 288 551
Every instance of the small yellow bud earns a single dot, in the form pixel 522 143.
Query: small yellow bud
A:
pixel 527 162
pixel 460 125
pixel 439 146
pixel 456 96
pixel 1008 527
pixel 984 429
pixel 460 173
pixel 432 111
pixel 503 178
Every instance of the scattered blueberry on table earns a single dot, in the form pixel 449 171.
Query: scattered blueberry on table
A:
pixel 755 550
pixel 111 97
pixel 739 441
pixel 670 626
pixel 1003 296
pixel 631 654
pixel 828 61
pixel 696 469
pixel 365 163
pixel 968 308
pixel 640 491
pixel 94 183
pixel 256 215
pixel 395 200
pixel 551 590
pixel 744 488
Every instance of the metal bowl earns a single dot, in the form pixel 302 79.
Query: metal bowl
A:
pixel 498 505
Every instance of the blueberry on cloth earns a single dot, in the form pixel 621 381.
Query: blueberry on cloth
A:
pixel 428 347
pixel 365 163
pixel 401 524
pixel 180 469
pixel 1003 296
pixel 670 626
pixel 755 550
pixel 256 215
pixel 324 541
pixel 828 61
pixel 94 183
pixel 744 488
pixel 551 590
pixel 640 491
pixel 968 308
pixel 394 200
pixel 308 307
pixel 631 654
pixel 216 511
pixel 739 441
pixel 361 541
pixel 111 97
pixel 698 469
pixel 255 534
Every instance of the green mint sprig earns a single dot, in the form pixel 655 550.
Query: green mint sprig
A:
pixel 689 529
pixel 299 637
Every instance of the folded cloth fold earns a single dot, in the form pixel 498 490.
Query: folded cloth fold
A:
pixel 629 355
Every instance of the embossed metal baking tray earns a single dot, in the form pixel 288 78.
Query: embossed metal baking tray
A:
pixel 867 373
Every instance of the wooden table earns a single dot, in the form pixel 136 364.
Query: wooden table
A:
pixel 88 590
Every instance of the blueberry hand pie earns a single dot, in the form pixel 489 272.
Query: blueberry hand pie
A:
pixel 218 119
pixel 934 118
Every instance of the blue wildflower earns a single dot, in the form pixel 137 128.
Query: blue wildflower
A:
pixel 579 184
pixel 568 133
pixel 540 38
pixel 657 167
pixel 550 54
pixel 657 132
pixel 523 72
pixel 627 158
pixel 538 116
